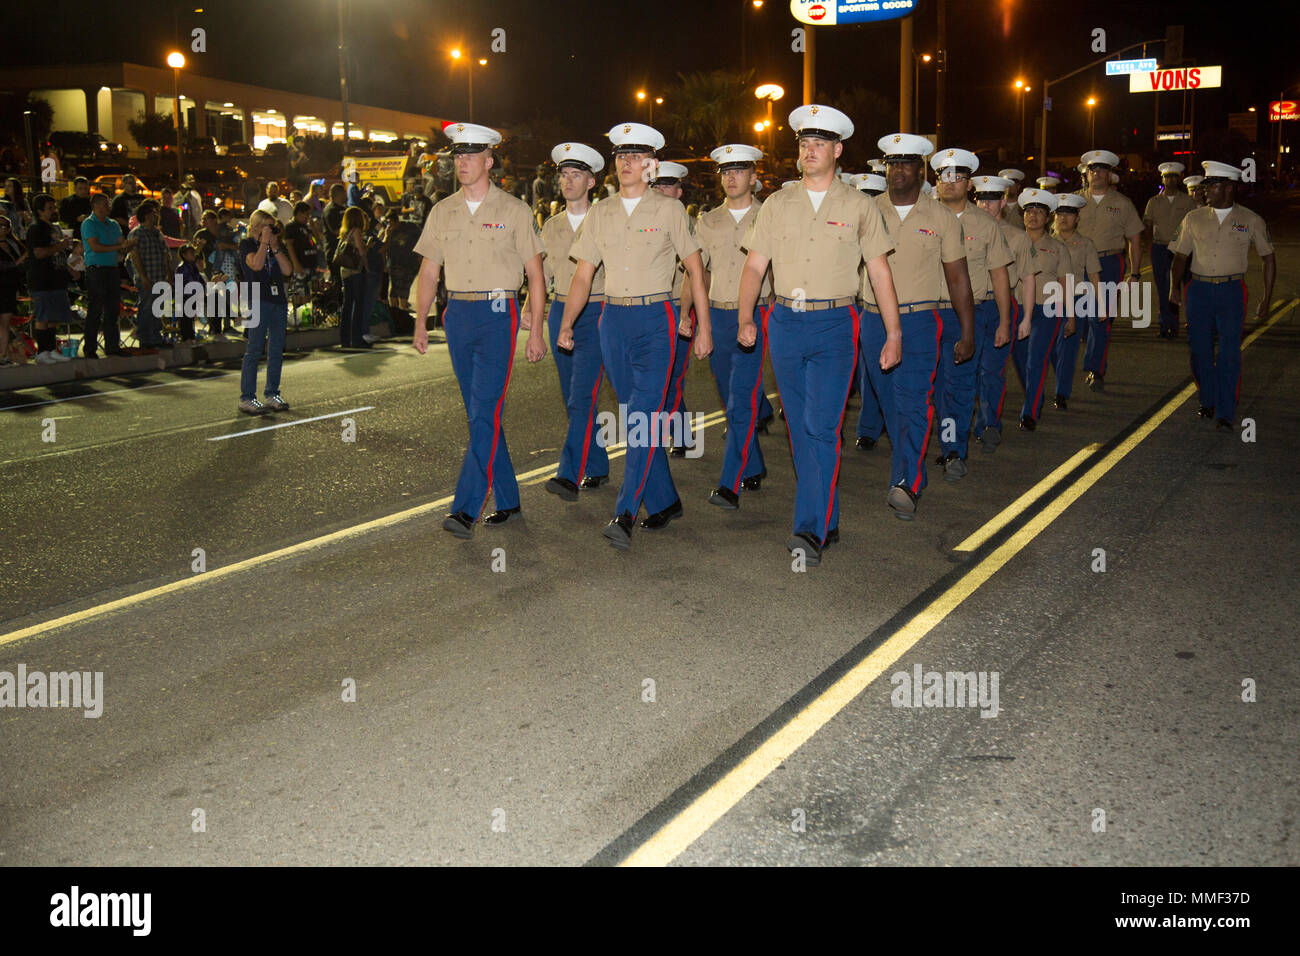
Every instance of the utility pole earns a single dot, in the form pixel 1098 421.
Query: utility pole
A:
pixel 905 56
pixel 941 69
pixel 343 79
pixel 809 64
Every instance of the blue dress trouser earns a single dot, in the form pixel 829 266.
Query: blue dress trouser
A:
pixel 1064 357
pixel 954 385
pixel 905 393
pixel 1162 262
pixel 677 391
pixel 813 354
pixel 1031 359
pixel 638 343
pixel 1113 269
pixel 739 376
pixel 1216 309
pixel 481 341
pixel 991 373
pixel 580 374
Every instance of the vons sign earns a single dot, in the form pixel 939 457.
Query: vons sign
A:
pixel 822 13
pixel 1164 81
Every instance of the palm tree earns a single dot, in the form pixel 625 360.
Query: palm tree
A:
pixel 704 109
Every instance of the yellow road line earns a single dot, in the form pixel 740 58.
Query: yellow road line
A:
pixel 695 819
pixel 1009 513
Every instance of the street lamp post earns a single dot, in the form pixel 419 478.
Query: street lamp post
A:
pixel 649 101
pixel 343 79
pixel 1092 122
pixel 1022 87
pixel 770 92
pixel 757 5
pixel 456 54
pixel 176 60
pixel 916 90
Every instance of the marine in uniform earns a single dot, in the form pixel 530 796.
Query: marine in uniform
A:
pixel 1013 214
pixel 1085 266
pixel 1111 222
pixel 815 234
pixel 669 180
pixel 583 460
pixel 737 371
pixel 1218 237
pixel 1022 274
pixel 638 236
pixel 487 242
pixel 1196 190
pixel 928 264
pixel 1042 324
pixel 1163 215
pixel 987 259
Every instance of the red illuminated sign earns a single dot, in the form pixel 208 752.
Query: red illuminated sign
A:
pixel 1280 110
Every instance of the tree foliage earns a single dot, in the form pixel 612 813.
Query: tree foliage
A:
pixel 11 118
pixel 705 109
pixel 152 130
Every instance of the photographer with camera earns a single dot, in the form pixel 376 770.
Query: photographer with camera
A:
pixel 264 265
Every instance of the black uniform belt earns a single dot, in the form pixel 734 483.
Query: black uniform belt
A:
pixel 479 296
pixel 814 305
pixel 558 297
pixel 1216 280
pixel 637 299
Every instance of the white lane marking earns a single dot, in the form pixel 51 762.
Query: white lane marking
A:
pixel 301 421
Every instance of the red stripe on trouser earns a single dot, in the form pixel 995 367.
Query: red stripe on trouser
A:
pixel 496 417
pixel 789 439
pixel 1236 393
pixel 681 379
pixel 668 379
pixel 753 411
pixel 929 403
pixel 839 445
pixel 1038 392
pixel 1015 325
pixel 591 419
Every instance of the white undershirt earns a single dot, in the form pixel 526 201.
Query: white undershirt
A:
pixel 903 211
pixel 575 219
pixel 739 214
pixel 629 204
pixel 1222 213
pixel 473 206
pixel 817 198
pixel 1097 199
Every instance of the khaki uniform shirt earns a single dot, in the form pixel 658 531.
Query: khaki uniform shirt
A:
pixel 721 237
pixel 1023 262
pixel 1014 215
pixel 1053 261
pixel 557 238
pixel 679 284
pixel 639 251
pixel 483 252
pixel 815 253
pixel 1165 213
pixel 1220 249
pixel 930 236
pixel 1084 261
pixel 1110 222
pixel 986 250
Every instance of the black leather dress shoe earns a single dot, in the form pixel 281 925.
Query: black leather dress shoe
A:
pixel 1205 412
pixel 1028 424
pixel 832 537
pixel 677 451
pixel 865 443
pixel 763 423
pixel 659 520
pixel 807 542
pixel 725 498
pixel 619 532
pixel 1096 384
pixel 502 516
pixel 594 481
pixel 1223 425
pixel 1062 402
pixel 563 488
pixel 459 524
pixel 753 482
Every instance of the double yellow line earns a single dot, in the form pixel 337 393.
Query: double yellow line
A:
pixel 683 829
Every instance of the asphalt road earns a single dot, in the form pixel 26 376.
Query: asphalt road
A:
pixel 505 716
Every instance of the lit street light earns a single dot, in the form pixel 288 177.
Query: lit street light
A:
pixel 456 55
pixel 770 92
pixel 1092 122
pixel 176 60
pixel 650 104
pixel 916 90
pixel 1022 87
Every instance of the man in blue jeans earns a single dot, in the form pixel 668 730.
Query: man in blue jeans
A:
pixel 264 265
pixel 102 239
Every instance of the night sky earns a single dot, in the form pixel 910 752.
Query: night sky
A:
pixel 582 61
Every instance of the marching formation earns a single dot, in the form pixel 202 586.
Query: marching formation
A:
pixel 914 295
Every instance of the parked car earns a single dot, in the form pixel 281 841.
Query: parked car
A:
pixel 221 188
pixel 276 151
pixel 70 144
pixel 111 185
pixel 201 146
pixel 239 149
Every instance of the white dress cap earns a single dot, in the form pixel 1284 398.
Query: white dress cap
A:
pixel 1215 170
pixel 470 137
pixel 960 158
pixel 735 154
pixel 1042 197
pixel 1103 157
pixel 900 147
pixel 577 155
pixel 635 138
pixel 824 121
